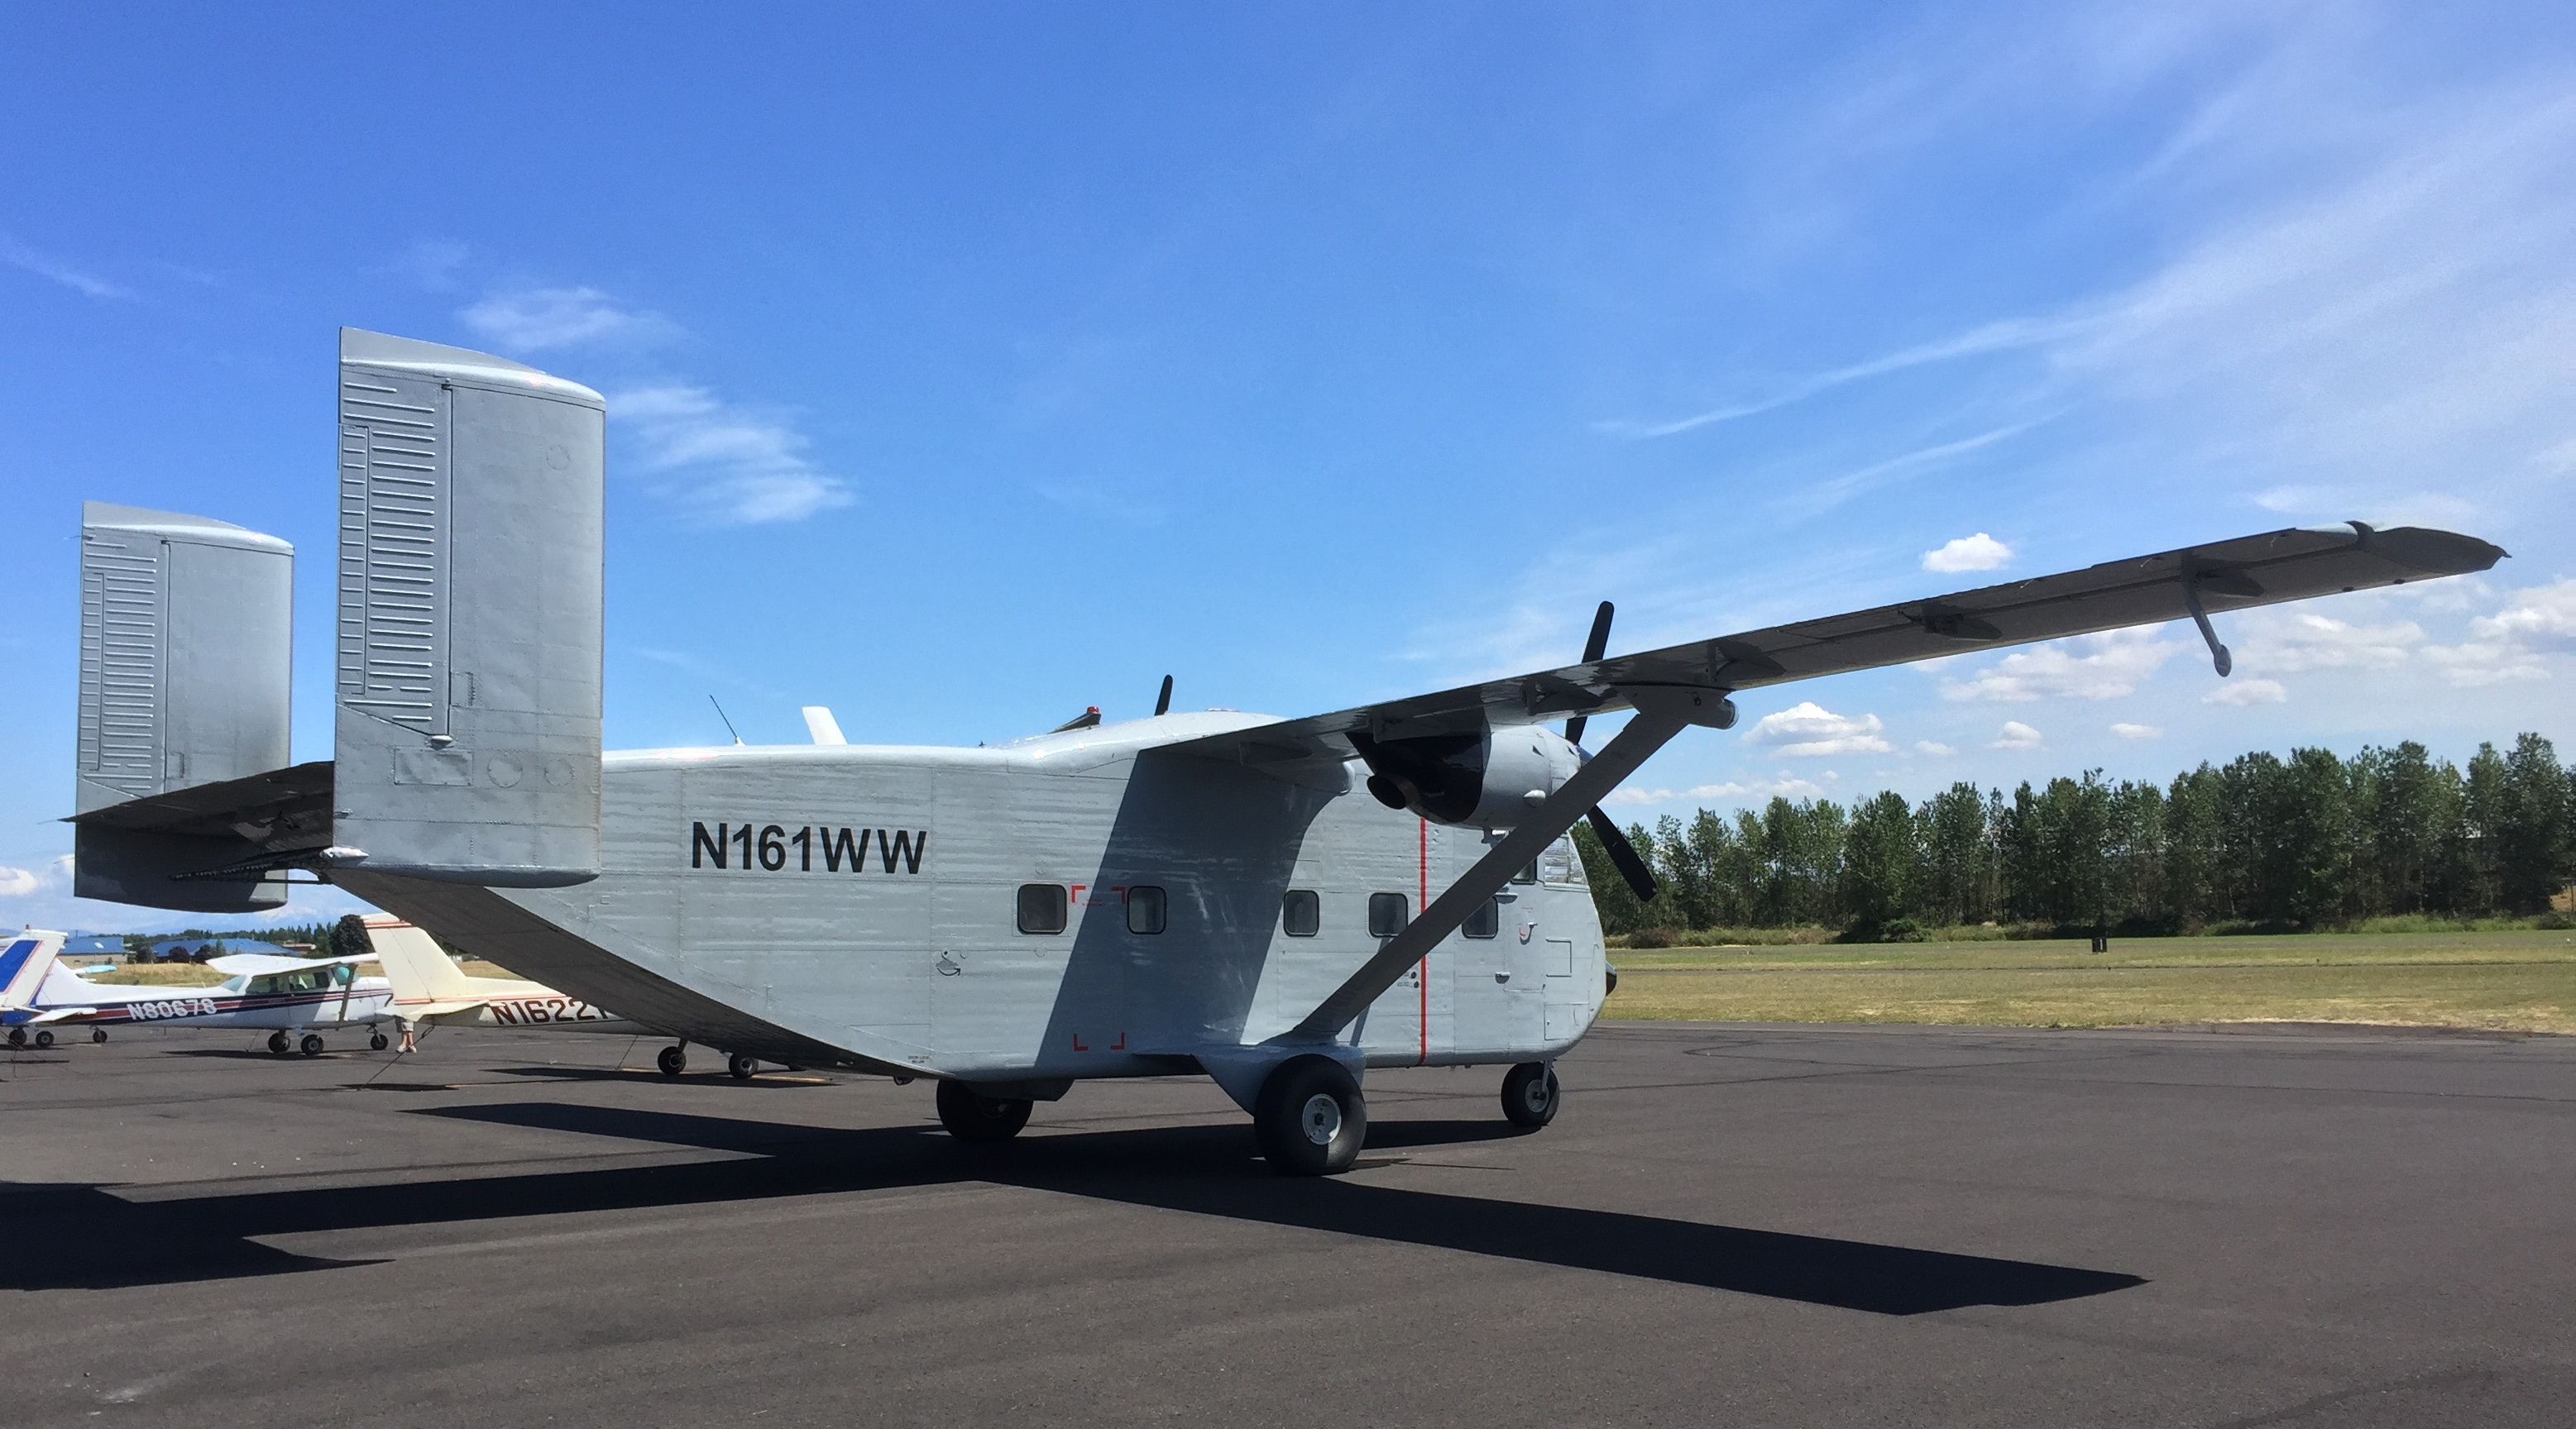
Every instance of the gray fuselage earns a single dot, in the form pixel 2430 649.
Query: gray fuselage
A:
pixel 861 906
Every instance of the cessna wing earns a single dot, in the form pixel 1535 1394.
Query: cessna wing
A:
pixel 261 964
pixel 2146 590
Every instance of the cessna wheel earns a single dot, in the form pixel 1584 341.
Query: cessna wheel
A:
pixel 44 1037
pixel 311 1046
pixel 1530 1095
pixel 1310 1117
pixel 379 1041
pixel 742 1068
pixel 280 1043
pixel 98 1034
pixel 17 1036
pixel 673 1061
pixel 969 1117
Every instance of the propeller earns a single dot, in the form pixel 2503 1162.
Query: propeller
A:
pixel 1631 864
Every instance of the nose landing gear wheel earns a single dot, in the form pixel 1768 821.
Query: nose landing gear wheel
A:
pixel 379 1041
pixel 1310 1118
pixel 1530 1095
pixel 969 1117
pixel 280 1043
pixel 98 1034
pixel 673 1061
pixel 742 1068
pixel 311 1046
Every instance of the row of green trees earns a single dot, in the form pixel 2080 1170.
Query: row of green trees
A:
pixel 2306 841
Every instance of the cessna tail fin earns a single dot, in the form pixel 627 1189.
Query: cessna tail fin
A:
pixel 415 965
pixel 468 661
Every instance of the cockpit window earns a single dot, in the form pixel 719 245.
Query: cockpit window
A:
pixel 1557 863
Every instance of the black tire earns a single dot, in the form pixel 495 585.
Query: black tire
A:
pixel 98 1034
pixel 280 1043
pixel 17 1036
pixel 44 1037
pixel 1310 1117
pixel 1531 1096
pixel 969 1117
pixel 742 1068
pixel 378 1041
pixel 311 1046
pixel 673 1061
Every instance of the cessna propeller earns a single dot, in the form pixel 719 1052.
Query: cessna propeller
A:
pixel 1632 866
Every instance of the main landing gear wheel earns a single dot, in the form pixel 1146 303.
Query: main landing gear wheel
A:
pixel 379 1041
pixel 44 1037
pixel 280 1043
pixel 742 1068
pixel 17 1036
pixel 1530 1095
pixel 1310 1117
pixel 969 1117
pixel 98 1034
pixel 311 1046
pixel 673 1061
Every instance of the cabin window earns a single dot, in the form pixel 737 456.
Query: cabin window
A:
pixel 1042 907
pixel 1300 913
pixel 1485 921
pixel 1528 873
pixel 1145 907
pixel 1557 863
pixel 1387 914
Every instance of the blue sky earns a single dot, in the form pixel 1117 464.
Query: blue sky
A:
pixel 969 366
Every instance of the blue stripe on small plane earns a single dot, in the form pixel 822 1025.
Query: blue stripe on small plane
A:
pixel 14 959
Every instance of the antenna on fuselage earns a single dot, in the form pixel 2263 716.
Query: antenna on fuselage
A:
pixel 1163 701
pixel 728 724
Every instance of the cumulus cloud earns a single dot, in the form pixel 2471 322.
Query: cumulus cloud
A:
pixel 2126 730
pixel 2289 641
pixel 543 319
pixel 2108 666
pixel 17 882
pixel 727 464
pixel 1809 730
pixel 1933 747
pixel 2015 735
pixel 1979 552
pixel 2246 692
pixel 1706 793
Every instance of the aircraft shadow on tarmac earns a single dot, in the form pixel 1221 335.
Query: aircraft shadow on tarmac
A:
pixel 85 1236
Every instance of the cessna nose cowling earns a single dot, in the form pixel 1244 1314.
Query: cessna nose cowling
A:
pixel 1491 780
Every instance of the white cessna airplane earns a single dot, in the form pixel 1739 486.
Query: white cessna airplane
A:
pixel 1280 905
pixel 293 997
pixel 428 987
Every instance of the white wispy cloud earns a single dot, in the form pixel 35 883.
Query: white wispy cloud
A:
pixel 2001 336
pixel 2126 730
pixel 538 319
pixel 1808 730
pixel 1813 497
pixel 2111 664
pixel 2015 735
pixel 1727 790
pixel 727 465
pixel 89 285
pixel 1934 748
pixel 1977 552
pixel 2245 692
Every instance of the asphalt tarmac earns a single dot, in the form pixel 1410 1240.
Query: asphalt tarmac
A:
pixel 1727 1225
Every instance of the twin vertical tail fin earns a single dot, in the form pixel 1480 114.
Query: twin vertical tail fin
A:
pixel 466 669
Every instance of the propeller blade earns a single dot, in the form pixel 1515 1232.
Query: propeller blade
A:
pixel 1632 867
pixel 1594 646
pixel 1163 701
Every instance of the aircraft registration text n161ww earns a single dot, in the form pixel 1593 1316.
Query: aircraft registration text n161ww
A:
pixel 1280 905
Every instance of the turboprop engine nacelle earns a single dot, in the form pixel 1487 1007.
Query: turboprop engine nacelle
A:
pixel 1491 780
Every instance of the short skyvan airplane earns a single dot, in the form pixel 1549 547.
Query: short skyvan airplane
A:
pixel 1277 904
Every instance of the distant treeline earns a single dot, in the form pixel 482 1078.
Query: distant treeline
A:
pixel 2307 841
pixel 347 934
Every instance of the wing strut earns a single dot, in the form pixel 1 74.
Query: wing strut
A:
pixel 1662 712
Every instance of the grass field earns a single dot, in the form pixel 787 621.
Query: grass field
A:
pixel 2518 980
pixel 2521 980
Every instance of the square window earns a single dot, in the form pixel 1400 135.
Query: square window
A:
pixel 1145 909
pixel 1528 873
pixel 1388 914
pixel 1300 913
pixel 1042 907
pixel 1486 921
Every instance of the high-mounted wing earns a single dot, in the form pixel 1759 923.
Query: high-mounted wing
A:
pixel 2145 590
pixel 261 964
